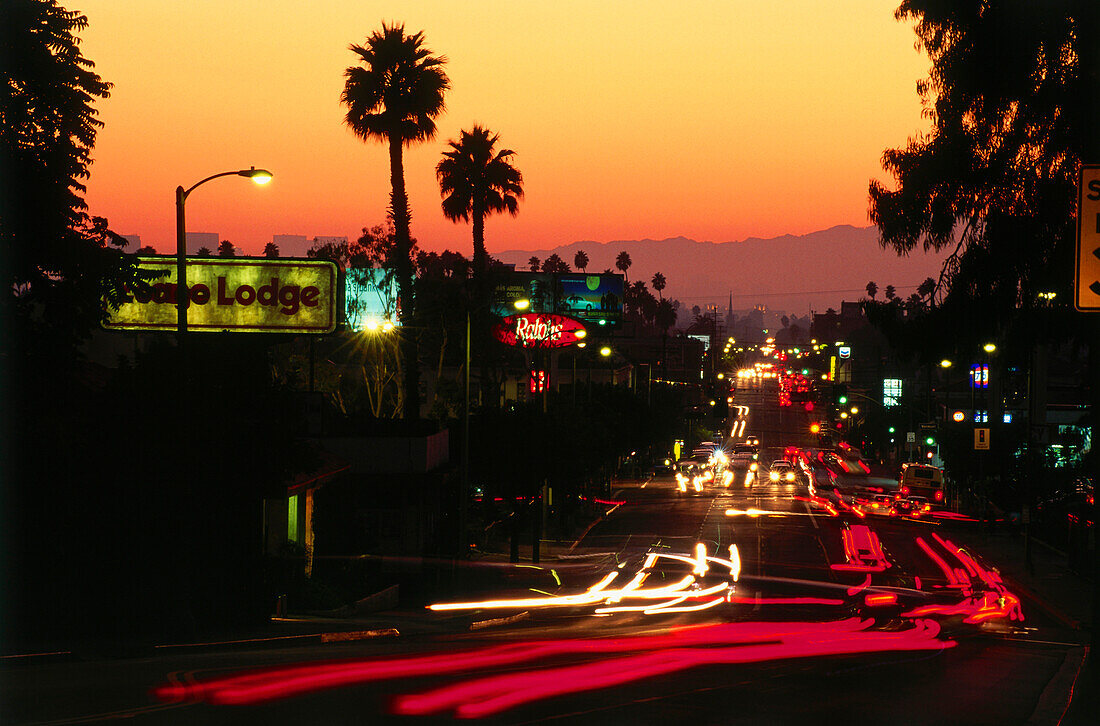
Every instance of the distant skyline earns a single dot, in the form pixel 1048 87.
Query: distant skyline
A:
pixel 709 121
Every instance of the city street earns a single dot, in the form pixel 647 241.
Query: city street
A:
pixel 759 603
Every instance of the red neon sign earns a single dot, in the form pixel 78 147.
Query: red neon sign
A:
pixel 539 330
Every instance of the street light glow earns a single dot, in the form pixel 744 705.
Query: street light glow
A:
pixel 521 304
pixel 989 347
pixel 260 176
pixel 605 351
pixel 945 363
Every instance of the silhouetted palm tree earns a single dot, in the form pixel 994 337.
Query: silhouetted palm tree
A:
pixel 872 289
pixel 225 249
pixel 890 292
pixel 580 261
pixel 659 283
pixel 533 263
pixel 271 250
pixel 476 181
pixel 622 262
pixel 554 263
pixel 205 251
pixel 394 97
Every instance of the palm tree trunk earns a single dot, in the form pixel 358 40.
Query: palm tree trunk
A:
pixel 481 259
pixel 399 212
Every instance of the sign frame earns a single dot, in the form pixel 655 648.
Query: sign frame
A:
pixel 158 313
pixel 981 439
pixel 1086 295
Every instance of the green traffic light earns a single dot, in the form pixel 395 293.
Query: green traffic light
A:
pixel 842 400
pixel 891 429
pixel 930 441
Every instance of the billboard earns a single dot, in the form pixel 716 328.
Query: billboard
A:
pixel 535 287
pixel 368 300
pixel 597 300
pixel 234 294
pixel 593 299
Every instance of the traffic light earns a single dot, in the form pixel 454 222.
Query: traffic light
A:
pixel 891 429
pixel 930 441
pixel 842 400
pixel 815 428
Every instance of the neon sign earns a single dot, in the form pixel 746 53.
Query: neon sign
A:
pixel 539 330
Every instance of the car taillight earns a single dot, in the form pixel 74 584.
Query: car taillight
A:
pixel 905 490
pixel 938 496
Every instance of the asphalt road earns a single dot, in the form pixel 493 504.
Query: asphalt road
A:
pixel 753 603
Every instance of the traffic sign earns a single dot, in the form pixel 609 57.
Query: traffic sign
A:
pixel 1087 288
pixel 981 439
pixel 910 437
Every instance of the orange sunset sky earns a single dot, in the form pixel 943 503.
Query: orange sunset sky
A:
pixel 712 120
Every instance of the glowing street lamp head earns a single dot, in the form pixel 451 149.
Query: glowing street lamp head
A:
pixel 260 176
pixel 989 347
pixel 580 333
pixel 945 363
pixel 605 351
pixel 521 304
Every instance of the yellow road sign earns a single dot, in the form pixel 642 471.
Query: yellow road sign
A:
pixel 981 439
pixel 1087 287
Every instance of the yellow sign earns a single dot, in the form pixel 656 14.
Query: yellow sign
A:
pixel 981 439
pixel 243 294
pixel 1087 288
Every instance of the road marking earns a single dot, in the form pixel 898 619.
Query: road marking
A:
pixel 812 517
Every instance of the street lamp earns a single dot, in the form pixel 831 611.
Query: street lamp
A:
pixel 259 176
pixel 989 347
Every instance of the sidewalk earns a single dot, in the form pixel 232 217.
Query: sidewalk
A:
pixel 1049 584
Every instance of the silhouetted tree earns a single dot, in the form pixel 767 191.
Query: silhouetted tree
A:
pixel 554 263
pixel 205 251
pixel 872 289
pixel 476 180
pixel 226 249
pixel 394 97
pixel 271 250
pixel 890 292
pixel 533 263
pixel 58 262
pixel 580 261
pixel 148 250
pixel 994 180
pixel 659 283
pixel 622 263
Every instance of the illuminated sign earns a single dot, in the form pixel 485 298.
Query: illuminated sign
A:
pixel 958 416
pixel 535 330
pixel 240 294
pixel 844 351
pixel 891 391
pixel 979 376
pixel 368 299
pixel 595 299
pixel 592 299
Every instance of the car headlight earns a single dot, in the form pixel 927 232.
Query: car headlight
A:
pixel 774 476
pixel 790 476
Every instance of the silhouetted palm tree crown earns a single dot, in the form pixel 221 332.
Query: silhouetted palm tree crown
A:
pixel 394 96
pixel 476 180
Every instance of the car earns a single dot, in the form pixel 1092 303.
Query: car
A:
pixel 821 476
pixel 781 470
pixel 919 506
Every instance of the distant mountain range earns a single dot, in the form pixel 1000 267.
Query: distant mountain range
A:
pixel 790 273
